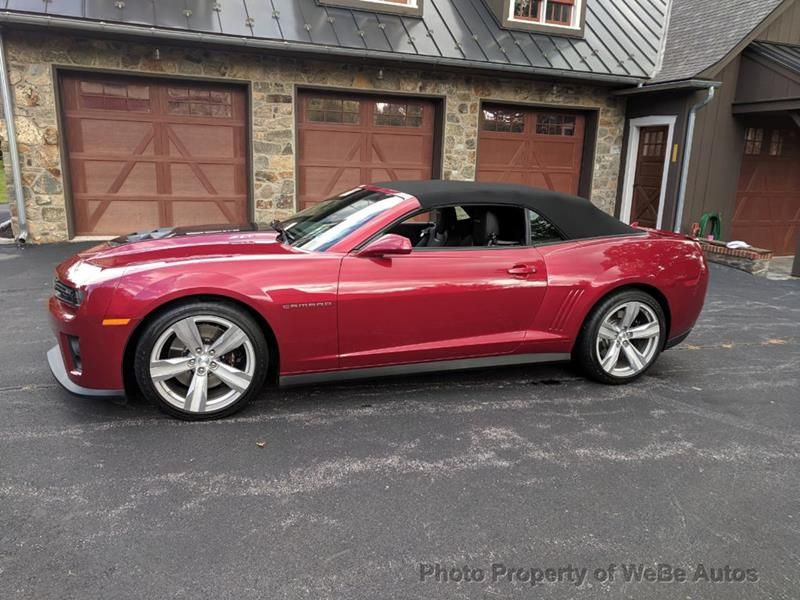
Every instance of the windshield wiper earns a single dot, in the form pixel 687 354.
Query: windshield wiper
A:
pixel 283 233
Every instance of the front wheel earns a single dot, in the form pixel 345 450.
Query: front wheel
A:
pixel 202 360
pixel 622 337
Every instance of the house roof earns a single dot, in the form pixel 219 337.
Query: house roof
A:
pixel 785 55
pixel 622 38
pixel 701 34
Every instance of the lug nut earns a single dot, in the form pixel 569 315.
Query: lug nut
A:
pixel 201 370
pixel 198 350
pixel 191 363
pixel 211 352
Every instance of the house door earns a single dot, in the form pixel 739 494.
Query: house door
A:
pixel 647 183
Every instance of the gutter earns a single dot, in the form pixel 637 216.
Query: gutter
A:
pixel 11 128
pixel 300 47
pixel 669 86
pixel 687 155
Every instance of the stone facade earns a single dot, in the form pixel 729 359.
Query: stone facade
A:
pixel 273 82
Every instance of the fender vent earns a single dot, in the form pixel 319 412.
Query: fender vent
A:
pixel 569 302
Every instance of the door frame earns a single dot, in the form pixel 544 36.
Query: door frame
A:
pixel 634 135
pixel 59 70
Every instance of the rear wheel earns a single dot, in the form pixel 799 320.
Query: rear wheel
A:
pixel 202 360
pixel 622 337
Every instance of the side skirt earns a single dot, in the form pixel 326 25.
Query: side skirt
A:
pixel 416 368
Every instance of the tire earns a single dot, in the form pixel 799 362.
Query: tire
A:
pixel 629 323
pixel 178 364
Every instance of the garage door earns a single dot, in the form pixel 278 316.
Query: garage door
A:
pixel 152 153
pixel 767 211
pixel 540 148
pixel 345 141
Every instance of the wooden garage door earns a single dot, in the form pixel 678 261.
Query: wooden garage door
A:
pixel 767 211
pixel 345 141
pixel 540 148
pixel 147 153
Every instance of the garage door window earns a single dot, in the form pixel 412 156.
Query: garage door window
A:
pixel 503 121
pixel 334 110
pixel 550 124
pixel 395 114
pixel 114 96
pixel 199 102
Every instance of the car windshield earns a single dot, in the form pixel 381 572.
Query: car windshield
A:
pixel 319 227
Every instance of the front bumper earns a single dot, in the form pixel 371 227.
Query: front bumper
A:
pixel 59 370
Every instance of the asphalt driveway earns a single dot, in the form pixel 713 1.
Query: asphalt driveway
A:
pixel 526 469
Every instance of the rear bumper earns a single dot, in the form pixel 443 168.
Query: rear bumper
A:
pixel 59 370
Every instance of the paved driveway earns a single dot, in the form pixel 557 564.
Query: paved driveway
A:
pixel 529 468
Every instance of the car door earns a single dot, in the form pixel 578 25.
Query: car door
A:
pixel 437 304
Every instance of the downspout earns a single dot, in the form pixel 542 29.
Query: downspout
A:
pixel 16 172
pixel 687 155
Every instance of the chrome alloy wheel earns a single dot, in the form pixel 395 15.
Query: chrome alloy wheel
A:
pixel 202 364
pixel 628 339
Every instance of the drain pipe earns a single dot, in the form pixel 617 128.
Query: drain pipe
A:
pixel 16 172
pixel 687 155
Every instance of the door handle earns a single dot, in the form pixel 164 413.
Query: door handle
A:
pixel 521 270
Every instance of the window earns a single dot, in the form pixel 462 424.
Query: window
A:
pixel 776 143
pixel 527 10
pixel 553 124
pixel 753 141
pixel 334 110
pixel 401 7
pixel 319 227
pixel 199 102
pixel 467 226
pixel 546 12
pixel 542 231
pixel 398 114
pixel 114 96
pixel 653 143
pixel 501 120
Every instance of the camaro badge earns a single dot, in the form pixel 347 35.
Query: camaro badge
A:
pixel 294 305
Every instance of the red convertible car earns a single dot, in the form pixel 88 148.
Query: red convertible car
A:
pixel 383 279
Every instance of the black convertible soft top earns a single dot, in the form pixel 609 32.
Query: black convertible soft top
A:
pixel 576 217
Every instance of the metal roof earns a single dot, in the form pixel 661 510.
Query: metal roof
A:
pixel 701 34
pixel 622 38
pixel 786 55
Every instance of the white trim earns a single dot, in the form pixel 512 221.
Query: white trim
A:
pixel 635 126
pixel 576 16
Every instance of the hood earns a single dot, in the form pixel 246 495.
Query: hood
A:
pixel 185 243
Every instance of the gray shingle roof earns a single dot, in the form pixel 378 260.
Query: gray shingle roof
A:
pixel 622 38
pixel 701 33
pixel 786 55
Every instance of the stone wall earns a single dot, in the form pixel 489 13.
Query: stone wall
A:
pixel 273 80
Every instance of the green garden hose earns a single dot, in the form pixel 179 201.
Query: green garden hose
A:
pixel 716 226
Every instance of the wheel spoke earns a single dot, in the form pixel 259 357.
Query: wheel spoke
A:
pixel 607 332
pixel 647 331
pixel 635 358
pixel 188 334
pixel 631 312
pixel 197 395
pixel 229 340
pixel 168 368
pixel 612 357
pixel 233 378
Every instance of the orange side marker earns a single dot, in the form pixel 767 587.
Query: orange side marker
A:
pixel 113 322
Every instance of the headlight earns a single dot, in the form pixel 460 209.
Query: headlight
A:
pixel 67 294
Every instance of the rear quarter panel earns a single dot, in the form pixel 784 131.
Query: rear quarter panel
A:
pixel 581 273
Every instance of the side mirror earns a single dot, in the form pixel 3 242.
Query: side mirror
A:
pixel 387 245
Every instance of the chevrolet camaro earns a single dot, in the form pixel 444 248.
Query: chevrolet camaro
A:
pixel 390 278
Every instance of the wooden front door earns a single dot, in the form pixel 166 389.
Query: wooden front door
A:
pixel 541 148
pixel 649 175
pixel 767 211
pixel 146 153
pixel 347 140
